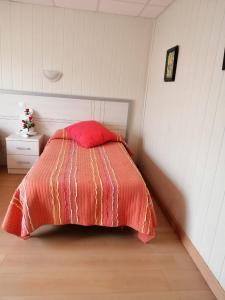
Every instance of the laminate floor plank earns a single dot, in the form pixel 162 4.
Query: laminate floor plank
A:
pixel 75 262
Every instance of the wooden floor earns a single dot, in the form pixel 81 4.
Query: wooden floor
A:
pixel 72 262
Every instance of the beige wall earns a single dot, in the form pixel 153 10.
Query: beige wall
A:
pixel 183 147
pixel 100 55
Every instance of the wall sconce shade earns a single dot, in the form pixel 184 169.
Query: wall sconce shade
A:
pixel 52 75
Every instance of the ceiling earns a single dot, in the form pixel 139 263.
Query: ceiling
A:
pixel 140 8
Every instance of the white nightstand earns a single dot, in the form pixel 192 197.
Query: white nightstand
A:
pixel 22 152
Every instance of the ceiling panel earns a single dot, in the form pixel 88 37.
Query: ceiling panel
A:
pixel 77 4
pixel 135 1
pixel 160 2
pixel 120 7
pixel 141 8
pixel 39 2
pixel 152 11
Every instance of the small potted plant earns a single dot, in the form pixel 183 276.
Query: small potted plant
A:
pixel 27 122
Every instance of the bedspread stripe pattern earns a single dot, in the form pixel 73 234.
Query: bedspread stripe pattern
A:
pixel 73 185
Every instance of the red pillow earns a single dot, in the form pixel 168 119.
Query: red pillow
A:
pixel 90 134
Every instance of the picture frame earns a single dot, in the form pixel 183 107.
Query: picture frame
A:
pixel 171 63
pixel 223 66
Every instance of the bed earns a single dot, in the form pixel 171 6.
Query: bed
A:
pixel 70 184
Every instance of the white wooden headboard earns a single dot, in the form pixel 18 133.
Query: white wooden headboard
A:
pixel 57 111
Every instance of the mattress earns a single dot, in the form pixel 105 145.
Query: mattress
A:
pixel 74 185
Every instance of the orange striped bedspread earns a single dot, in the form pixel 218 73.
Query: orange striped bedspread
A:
pixel 73 185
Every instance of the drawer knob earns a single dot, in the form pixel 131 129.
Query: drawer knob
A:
pixel 23 148
pixel 23 162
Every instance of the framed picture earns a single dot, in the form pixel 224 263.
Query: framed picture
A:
pixel 223 67
pixel 171 64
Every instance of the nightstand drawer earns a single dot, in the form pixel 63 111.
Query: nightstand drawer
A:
pixel 21 161
pixel 22 152
pixel 22 148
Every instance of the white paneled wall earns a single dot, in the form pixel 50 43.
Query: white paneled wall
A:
pixel 183 147
pixel 99 54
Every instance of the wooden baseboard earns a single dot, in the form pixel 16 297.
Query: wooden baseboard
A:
pixel 209 277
